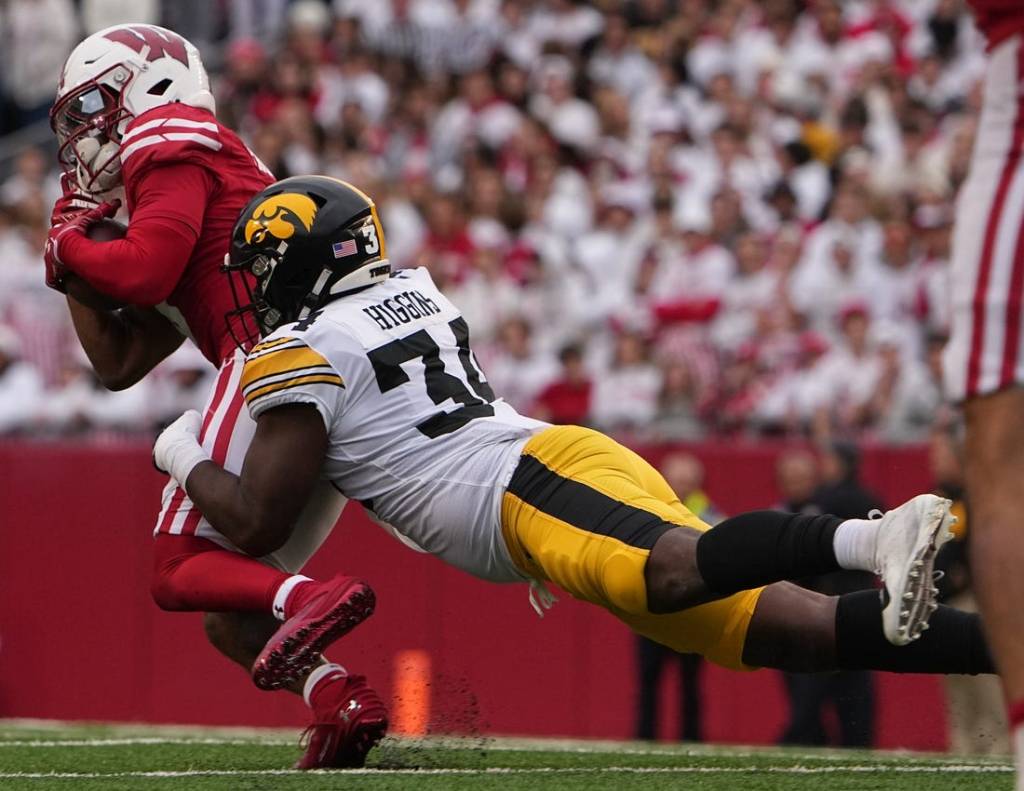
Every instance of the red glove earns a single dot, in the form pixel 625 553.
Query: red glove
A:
pixel 76 222
pixel 71 202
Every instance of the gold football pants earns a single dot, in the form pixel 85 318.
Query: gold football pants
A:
pixel 584 512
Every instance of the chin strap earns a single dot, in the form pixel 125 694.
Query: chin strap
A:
pixel 316 291
pixel 351 282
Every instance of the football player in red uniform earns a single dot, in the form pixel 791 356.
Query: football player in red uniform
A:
pixel 134 116
pixel 984 363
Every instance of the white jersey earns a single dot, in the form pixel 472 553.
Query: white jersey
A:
pixel 415 433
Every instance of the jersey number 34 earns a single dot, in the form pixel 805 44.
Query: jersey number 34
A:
pixel 473 393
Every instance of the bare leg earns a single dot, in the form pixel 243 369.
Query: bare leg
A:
pixel 802 631
pixel 995 472
pixel 792 629
pixel 671 575
pixel 240 636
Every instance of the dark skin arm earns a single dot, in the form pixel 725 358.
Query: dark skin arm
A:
pixel 257 510
pixel 124 345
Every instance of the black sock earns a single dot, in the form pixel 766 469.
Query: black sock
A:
pixel 761 547
pixel 953 643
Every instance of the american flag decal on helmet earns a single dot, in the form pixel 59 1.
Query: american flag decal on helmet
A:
pixel 344 249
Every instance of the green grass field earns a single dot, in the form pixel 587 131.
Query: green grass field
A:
pixel 111 758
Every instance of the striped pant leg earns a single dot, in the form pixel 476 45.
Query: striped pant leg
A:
pixel 227 430
pixel 985 352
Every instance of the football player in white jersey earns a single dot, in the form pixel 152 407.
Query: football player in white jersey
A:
pixel 365 377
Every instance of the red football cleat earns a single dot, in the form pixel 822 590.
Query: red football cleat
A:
pixel 337 608
pixel 350 720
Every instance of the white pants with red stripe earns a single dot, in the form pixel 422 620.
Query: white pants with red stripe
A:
pixel 226 433
pixel 985 352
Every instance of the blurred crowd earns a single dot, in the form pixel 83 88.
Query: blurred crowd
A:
pixel 676 218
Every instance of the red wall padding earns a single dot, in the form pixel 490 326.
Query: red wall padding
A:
pixel 81 639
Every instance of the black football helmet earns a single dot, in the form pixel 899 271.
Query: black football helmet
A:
pixel 298 245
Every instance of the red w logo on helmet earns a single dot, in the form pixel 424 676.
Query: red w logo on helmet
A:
pixel 161 43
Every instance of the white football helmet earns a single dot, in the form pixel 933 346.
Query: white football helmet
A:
pixel 110 78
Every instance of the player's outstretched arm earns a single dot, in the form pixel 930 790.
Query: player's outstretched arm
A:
pixel 257 509
pixel 123 346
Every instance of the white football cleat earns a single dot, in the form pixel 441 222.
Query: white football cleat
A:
pixel 908 540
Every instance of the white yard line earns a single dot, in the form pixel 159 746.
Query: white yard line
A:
pixel 701 770
pixel 137 733
pixel 522 745
pixel 816 762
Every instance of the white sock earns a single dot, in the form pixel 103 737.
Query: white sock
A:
pixel 281 597
pixel 854 544
pixel 317 676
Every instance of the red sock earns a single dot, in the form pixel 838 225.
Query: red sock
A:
pixel 194 574
pixel 298 594
pixel 299 597
pixel 322 685
pixel 1015 714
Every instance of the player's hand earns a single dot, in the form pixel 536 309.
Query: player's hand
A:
pixel 177 450
pixel 71 202
pixel 55 271
pixel 75 224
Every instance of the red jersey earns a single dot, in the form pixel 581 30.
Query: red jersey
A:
pixel 186 179
pixel 998 19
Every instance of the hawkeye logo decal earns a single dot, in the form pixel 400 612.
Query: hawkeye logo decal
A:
pixel 280 216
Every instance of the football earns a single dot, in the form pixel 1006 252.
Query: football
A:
pixel 105 230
